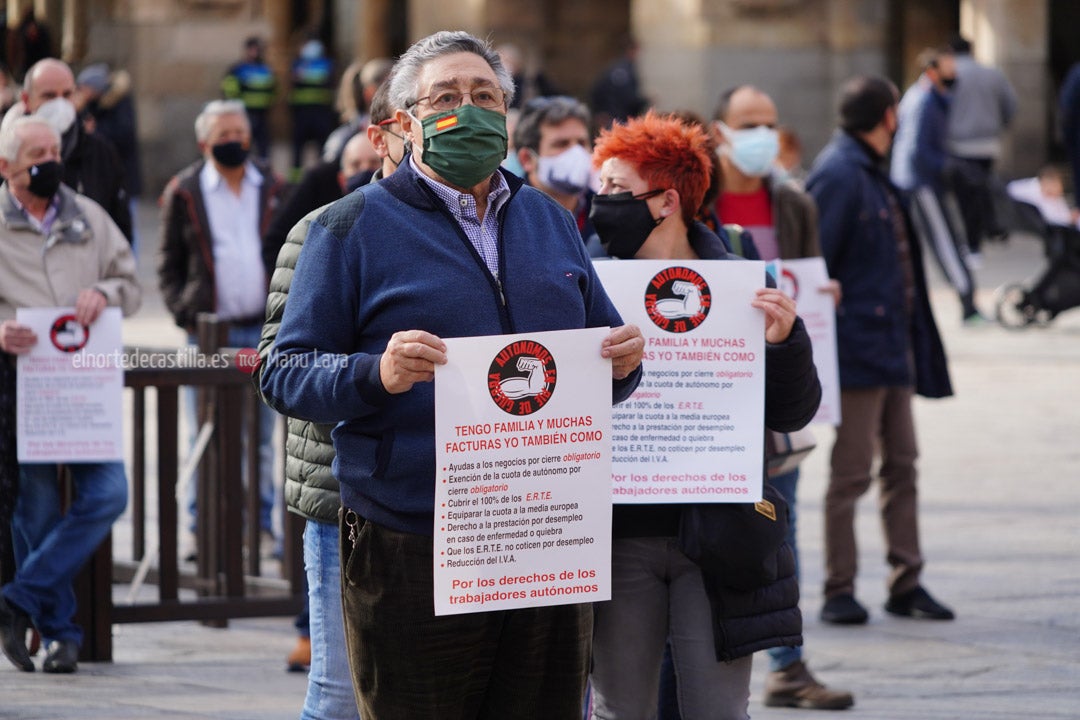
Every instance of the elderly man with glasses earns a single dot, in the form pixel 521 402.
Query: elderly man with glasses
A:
pixel 447 246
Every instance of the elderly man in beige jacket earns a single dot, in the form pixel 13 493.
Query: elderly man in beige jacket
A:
pixel 57 248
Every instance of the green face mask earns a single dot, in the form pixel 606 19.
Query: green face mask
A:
pixel 464 145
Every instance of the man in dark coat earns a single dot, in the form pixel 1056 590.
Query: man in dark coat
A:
pixel 888 349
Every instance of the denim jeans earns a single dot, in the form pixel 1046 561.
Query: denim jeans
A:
pixel 782 657
pixel 657 593
pixel 330 692
pixel 240 336
pixel 51 547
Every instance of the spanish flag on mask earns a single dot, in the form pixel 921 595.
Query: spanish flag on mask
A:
pixel 446 123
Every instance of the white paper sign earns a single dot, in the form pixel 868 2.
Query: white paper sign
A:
pixel 693 431
pixel 802 279
pixel 69 388
pixel 523 495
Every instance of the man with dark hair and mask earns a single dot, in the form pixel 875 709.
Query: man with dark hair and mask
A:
pixel 449 245
pixel 983 105
pixel 920 166
pixel 214 257
pixel 58 249
pixel 888 349
pixel 555 149
pixel 91 165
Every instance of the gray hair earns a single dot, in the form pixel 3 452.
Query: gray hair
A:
pixel 213 110
pixel 12 135
pixel 406 76
pixel 550 110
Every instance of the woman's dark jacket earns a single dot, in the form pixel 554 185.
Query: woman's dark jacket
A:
pixel 747 621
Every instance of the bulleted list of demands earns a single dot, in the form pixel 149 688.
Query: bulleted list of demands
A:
pixel 523 493
pixel 693 430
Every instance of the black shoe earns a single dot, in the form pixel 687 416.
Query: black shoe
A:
pixel 843 610
pixel 13 625
pixel 917 603
pixel 62 657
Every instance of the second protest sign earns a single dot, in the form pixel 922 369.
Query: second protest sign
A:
pixel 693 430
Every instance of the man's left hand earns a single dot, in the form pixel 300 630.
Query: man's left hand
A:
pixel 779 313
pixel 624 346
pixel 88 305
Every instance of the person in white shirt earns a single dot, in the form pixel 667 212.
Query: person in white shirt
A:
pixel 214 258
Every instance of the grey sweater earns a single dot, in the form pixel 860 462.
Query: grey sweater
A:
pixel 983 105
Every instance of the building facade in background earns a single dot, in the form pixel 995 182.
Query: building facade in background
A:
pixel 798 51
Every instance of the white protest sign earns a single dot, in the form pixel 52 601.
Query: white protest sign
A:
pixel 523 453
pixel 69 388
pixel 803 279
pixel 693 431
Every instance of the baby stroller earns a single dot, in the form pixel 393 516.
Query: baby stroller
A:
pixel 1057 289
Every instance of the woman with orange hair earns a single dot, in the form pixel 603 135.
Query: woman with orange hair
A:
pixel 654 171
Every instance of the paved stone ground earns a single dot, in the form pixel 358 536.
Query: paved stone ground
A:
pixel 999 470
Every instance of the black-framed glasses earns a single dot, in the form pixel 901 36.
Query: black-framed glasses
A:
pixel 488 98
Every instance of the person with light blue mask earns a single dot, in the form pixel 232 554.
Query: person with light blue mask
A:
pixel 782 219
pixel 554 148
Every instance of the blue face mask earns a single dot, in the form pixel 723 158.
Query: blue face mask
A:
pixel 752 150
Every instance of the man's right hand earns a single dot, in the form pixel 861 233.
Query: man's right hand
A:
pixel 410 357
pixel 16 338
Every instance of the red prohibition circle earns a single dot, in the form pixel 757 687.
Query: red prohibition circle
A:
pixel 68 335
pixel 789 284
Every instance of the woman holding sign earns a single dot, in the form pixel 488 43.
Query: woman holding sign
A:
pixel 654 172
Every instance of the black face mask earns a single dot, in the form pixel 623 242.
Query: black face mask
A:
pixel 623 222
pixel 230 154
pixel 404 144
pixel 45 178
pixel 360 179
pixel 948 82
